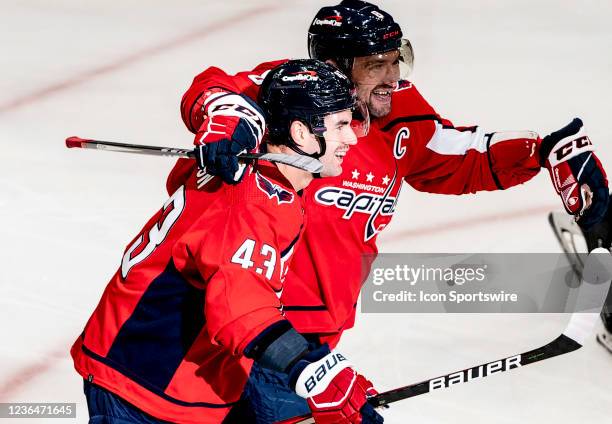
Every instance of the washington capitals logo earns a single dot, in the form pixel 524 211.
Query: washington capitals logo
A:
pixel 379 205
pixel 272 190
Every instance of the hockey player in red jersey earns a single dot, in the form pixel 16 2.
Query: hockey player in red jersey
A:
pixel 196 299
pixel 408 142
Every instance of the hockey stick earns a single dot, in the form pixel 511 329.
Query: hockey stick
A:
pixel 297 161
pixel 573 337
pixel 574 243
pixel 570 238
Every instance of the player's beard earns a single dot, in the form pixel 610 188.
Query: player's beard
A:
pixel 379 106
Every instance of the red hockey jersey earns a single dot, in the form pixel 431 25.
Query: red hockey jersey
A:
pixel 346 213
pixel 200 281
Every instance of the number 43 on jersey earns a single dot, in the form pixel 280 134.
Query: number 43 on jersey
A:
pixel 244 255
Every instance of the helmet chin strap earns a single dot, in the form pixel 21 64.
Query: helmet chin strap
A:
pixel 322 148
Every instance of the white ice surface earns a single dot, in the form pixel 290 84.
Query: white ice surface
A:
pixel 117 70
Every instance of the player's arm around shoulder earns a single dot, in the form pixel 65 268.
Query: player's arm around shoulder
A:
pixel 221 110
pixel 214 80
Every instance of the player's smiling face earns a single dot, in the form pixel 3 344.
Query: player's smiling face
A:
pixel 376 77
pixel 339 137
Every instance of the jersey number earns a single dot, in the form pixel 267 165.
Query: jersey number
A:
pixel 244 254
pixel 171 211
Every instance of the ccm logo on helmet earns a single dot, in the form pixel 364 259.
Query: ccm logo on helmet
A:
pixel 347 199
pixel 391 34
pixel 321 371
pixel 566 150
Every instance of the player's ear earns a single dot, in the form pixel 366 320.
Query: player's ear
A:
pixel 299 133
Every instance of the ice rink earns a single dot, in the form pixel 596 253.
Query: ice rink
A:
pixel 117 71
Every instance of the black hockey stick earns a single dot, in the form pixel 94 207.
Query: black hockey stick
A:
pixel 298 161
pixel 578 329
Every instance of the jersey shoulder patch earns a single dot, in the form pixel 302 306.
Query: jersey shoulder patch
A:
pixel 273 190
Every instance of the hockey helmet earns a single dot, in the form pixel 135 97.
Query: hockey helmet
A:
pixel 356 28
pixel 307 90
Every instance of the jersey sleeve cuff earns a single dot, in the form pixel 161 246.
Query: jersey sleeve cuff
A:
pixel 277 347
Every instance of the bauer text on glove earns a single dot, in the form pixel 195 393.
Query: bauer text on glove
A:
pixel 335 392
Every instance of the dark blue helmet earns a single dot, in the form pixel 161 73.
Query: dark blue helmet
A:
pixel 355 28
pixel 304 90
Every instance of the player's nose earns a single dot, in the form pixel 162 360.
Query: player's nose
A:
pixel 351 138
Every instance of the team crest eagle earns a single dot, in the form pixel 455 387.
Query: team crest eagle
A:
pixel 272 190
